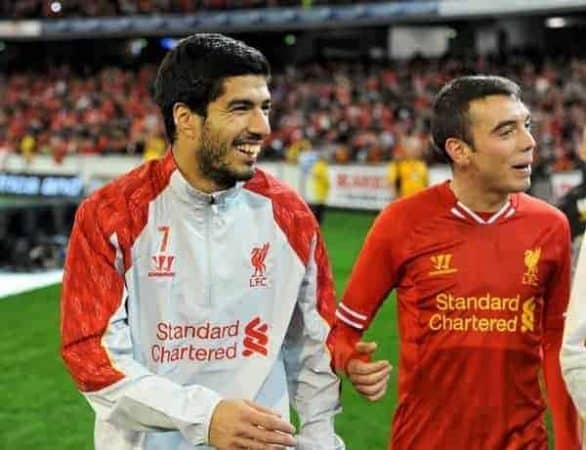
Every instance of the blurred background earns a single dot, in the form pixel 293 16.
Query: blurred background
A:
pixel 352 88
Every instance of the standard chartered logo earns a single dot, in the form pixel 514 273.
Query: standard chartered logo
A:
pixel 484 313
pixel 528 315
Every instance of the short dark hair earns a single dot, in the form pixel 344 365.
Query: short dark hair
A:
pixel 194 71
pixel 450 117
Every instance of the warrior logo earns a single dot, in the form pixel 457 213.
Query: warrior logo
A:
pixel 162 261
pixel 442 264
pixel 258 255
pixel 256 338
pixel 531 260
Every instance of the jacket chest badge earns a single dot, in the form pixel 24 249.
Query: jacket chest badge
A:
pixel 258 256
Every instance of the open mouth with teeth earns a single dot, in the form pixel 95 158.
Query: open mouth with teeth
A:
pixel 250 150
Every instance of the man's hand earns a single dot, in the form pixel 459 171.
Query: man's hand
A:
pixel 241 424
pixel 369 378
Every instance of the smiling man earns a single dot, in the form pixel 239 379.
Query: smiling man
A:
pixel 197 295
pixel 482 274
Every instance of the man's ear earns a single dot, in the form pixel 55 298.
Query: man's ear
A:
pixel 459 151
pixel 187 123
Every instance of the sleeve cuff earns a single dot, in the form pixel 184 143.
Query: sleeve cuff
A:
pixel 202 402
pixel 319 435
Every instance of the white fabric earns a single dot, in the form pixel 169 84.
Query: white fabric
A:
pixel 573 353
pixel 193 292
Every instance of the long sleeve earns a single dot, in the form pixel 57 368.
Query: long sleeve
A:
pixel 370 282
pixel 96 343
pixel 565 419
pixel 573 352
pixel 314 388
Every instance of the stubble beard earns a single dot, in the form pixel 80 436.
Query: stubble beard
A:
pixel 213 164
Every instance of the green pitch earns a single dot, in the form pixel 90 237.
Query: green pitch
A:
pixel 41 409
pixel 7 201
pixel 14 201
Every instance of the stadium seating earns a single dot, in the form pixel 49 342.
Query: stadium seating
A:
pixel 363 113
pixel 27 9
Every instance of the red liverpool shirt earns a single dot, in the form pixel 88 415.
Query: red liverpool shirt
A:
pixel 481 300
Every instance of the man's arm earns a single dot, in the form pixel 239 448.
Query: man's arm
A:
pixel 371 280
pixel 573 353
pixel 565 420
pixel 98 351
pixel 314 387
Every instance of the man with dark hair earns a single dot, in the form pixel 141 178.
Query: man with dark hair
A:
pixel 197 295
pixel 482 277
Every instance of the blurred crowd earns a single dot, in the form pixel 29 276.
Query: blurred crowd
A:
pixel 379 113
pixel 35 9
pixel 61 112
pixel 356 112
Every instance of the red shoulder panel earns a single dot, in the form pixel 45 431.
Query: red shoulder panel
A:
pixel 92 286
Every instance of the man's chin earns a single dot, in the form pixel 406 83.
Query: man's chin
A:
pixel 245 174
pixel 230 178
pixel 520 187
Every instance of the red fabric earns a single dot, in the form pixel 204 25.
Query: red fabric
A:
pixel 468 374
pixel 92 287
pixel 565 419
pixel 341 343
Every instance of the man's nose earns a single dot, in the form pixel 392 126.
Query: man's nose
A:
pixel 529 142
pixel 259 123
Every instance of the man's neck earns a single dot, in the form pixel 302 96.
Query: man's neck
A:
pixel 188 166
pixel 479 200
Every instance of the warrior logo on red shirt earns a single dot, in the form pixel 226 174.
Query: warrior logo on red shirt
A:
pixel 442 264
pixel 258 255
pixel 256 338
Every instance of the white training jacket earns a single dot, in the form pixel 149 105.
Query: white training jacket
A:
pixel 174 299
pixel 573 353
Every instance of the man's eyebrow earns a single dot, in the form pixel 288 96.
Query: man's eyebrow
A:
pixel 240 102
pixel 246 102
